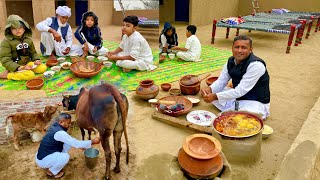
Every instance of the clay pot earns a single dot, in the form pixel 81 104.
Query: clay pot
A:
pixel 147 89
pixel 210 80
pixel 190 84
pixel 166 86
pixel 52 63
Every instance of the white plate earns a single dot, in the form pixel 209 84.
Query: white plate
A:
pixel 201 117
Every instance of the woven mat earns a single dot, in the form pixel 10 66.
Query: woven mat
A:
pixel 168 71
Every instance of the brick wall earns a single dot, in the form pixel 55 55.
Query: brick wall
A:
pixel 35 105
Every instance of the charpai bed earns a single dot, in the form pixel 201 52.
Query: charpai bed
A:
pixel 286 23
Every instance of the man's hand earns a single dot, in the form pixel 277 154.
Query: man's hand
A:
pixel 66 51
pixel 24 68
pixel 208 98
pixel 86 47
pixel 37 62
pixel 56 36
pixel 110 56
pixel 205 91
pixel 95 49
pixel 110 53
pixel 95 141
pixel 175 48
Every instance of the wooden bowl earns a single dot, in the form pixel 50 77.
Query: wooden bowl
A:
pixel 179 100
pixel 92 65
pixel 202 146
pixel 200 169
pixel 165 86
pixel 35 84
pixel 175 92
pixel 210 80
pixel 52 63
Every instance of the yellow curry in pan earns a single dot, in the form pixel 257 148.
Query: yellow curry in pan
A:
pixel 238 125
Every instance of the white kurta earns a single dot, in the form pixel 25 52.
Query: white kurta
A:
pixel 227 96
pixel 194 49
pixel 137 47
pixel 56 161
pixel 51 45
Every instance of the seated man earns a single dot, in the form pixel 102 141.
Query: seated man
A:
pixel 53 151
pixel 250 80
pixel 17 52
pixel 56 35
pixel 192 49
pixel 134 51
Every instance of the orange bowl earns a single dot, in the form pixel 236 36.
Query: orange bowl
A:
pixel 35 84
pixel 165 86
pixel 210 80
pixel 75 68
pixel 52 63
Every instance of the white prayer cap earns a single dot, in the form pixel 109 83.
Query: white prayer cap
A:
pixel 63 11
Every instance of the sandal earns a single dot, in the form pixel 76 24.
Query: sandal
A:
pixel 58 176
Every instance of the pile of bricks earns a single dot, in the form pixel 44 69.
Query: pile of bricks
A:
pixel 12 107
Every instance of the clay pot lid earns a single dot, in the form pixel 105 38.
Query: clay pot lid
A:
pixel 202 146
pixel 189 80
pixel 200 168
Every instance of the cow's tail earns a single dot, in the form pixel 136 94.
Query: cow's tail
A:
pixel 124 113
pixel 7 125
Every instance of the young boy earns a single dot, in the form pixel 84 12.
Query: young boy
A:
pixel 89 35
pixel 192 49
pixel 56 35
pixel 168 39
pixel 134 51
pixel 17 52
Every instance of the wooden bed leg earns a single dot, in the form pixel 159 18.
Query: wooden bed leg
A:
pixel 298 34
pixel 318 25
pixel 227 34
pixel 309 27
pixel 302 31
pixel 291 35
pixel 214 27
pixel 237 32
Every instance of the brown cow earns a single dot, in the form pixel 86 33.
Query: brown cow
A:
pixel 104 108
pixel 37 120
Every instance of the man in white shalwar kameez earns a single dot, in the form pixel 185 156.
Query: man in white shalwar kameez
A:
pixel 134 51
pixel 53 151
pixel 56 35
pixel 192 49
pixel 250 81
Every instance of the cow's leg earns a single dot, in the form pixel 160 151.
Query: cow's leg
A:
pixel 89 132
pixel 117 148
pixel 15 138
pixel 83 133
pixel 107 152
pixel 40 128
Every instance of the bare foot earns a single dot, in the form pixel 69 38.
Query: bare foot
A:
pixel 52 57
pixel 4 74
pixel 126 70
pixel 59 175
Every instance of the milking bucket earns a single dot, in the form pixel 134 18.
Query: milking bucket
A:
pixel 91 156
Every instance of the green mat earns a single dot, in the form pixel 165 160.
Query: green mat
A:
pixel 168 71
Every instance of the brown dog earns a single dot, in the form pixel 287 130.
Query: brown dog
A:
pixel 36 120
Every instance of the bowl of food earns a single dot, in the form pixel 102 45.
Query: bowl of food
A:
pixel 85 69
pixel 171 56
pixel 48 74
pixel 52 62
pixel 237 124
pixel 35 84
pixel 66 65
pixel 102 58
pixel 210 80
pixel 180 105
pixel 166 86
pixel 90 58
pixel 107 64
pixel 56 69
pixel 175 92
pixel 61 59
pixel 267 131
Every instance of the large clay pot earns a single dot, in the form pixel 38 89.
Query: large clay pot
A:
pixel 147 89
pixel 190 84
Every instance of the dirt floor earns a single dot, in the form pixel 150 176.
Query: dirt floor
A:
pixel 294 90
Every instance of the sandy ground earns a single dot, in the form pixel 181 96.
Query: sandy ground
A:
pixel 294 90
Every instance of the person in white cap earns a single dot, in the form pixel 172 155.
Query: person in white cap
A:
pixel 56 35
